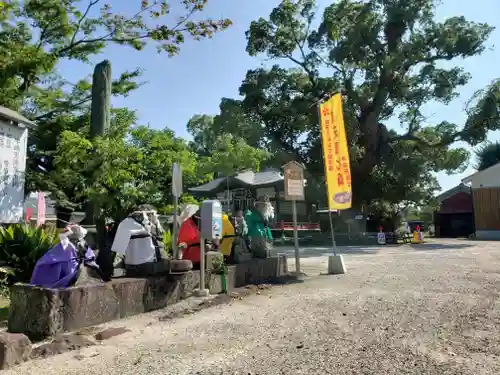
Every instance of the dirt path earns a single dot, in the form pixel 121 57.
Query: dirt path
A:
pixel 432 309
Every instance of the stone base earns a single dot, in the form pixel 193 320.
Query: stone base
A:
pixel 336 265
pixel 41 312
pixel 202 292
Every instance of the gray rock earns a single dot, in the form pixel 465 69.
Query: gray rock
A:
pixel 15 348
pixel 62 344
pixel 88 276
pixel 111 332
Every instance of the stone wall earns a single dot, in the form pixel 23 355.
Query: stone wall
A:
pixel 40 312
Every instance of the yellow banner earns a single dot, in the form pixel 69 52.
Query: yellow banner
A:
pixel 336 154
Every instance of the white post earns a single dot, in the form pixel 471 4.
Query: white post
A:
pixel 202 292
pixel 336 264
pixel 175 229
pixel 296 237
pixel 334 243
pixel 176 192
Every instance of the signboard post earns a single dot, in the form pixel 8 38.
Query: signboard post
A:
pixel 294 191
pixel 176 192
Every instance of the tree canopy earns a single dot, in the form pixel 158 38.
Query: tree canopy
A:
pixel 36 36
pixel 388 59
pixel 487 155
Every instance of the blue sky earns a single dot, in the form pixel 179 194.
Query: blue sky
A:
pixel 193 82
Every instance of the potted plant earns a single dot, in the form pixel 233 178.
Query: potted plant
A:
pixel 219 267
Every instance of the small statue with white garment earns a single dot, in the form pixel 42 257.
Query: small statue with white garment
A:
pixel 138 242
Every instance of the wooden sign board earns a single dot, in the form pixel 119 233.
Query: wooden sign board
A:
pixel 294 181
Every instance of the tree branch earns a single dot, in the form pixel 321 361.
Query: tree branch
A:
pixel 82 18
pixel 54 112
pixel 105 38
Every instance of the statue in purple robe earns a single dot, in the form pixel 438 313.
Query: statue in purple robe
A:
pixel 61 266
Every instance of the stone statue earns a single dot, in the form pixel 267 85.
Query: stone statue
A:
pixel 259 233
pixel 70 262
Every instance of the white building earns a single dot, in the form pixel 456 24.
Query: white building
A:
pixel 13 144
pixel 485 186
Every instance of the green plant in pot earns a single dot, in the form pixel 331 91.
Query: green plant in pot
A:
pixel 219 267
pixel 22 245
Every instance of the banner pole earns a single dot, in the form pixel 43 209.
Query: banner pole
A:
pixel 332 231
pixel 336 264
pixel 334 243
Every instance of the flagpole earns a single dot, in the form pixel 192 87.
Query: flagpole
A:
pixel 332 231
pixel 336 264
pixel 334 243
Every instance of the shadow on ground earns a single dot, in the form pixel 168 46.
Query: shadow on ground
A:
pixel 439 246
pixel 289 279
pixel 320 251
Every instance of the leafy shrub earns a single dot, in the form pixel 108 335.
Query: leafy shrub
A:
pixel 219 267
pixel 22 245
pixel 5 274
pixel 167 241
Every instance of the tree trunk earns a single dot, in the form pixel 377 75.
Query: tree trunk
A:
pixel 374 141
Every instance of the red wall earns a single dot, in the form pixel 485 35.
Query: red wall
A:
pixel 458 203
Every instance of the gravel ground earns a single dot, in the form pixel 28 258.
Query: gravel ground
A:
pixel 427 309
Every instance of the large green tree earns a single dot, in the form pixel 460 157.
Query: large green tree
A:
pixel 37 35
pixel 389 59
pixel 487 155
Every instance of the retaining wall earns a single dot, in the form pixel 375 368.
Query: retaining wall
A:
pixel 41 312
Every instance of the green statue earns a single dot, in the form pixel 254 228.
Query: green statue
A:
pixel 259 233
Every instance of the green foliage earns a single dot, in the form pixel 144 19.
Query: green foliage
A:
pixel 167 241
pixel 184 199
pixel 201 127
pixel 222 144
pixel 22 245
pixel 219 267
pixel 386 57
pixel 229 154
pixel 425 214
pixel 119 172
pixel 5 274
pixel 487 156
